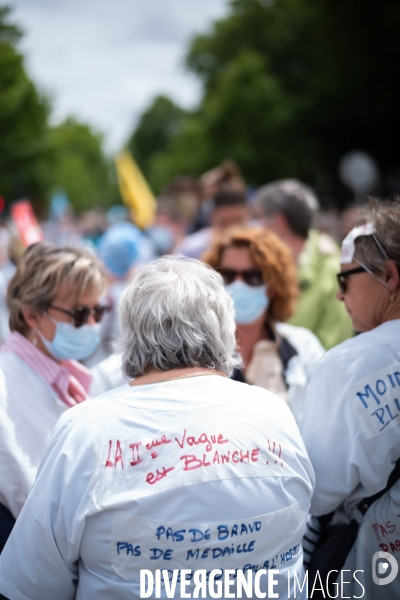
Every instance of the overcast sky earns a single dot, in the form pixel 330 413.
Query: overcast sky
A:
pixel 104 60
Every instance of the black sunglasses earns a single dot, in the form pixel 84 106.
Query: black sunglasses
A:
pixel 82 313
pixel 253 277
pixel 341 277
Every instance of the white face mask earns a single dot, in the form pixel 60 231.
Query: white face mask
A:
pixel 249 302
pixel 72 343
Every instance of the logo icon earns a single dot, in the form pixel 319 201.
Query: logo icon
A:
pixel 384 568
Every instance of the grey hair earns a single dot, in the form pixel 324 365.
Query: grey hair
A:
pixel 370 250
pixel 176 313
pixel 295 200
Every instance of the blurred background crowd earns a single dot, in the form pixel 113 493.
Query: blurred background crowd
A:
pixel 293 129
pixel 290 92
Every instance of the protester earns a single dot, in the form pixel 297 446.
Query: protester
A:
pixel 179 206
pixel 226 176
pixel 221 178
pixel 53 299
pixel 169 225
pixel 120 250
pixel 260 276
pixel 165 473
pixel 351 421
pixel 229 209
pixel 287 207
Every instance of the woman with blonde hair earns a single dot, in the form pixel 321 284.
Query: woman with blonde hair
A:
pixel 53 299
pixel 260 276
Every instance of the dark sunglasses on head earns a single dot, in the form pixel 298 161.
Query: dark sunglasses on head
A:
pixel 82 313
pixel 341 277
pixel 253 277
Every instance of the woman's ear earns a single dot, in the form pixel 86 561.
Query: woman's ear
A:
pixel 391 275
pixel 271 293
pixel 31 316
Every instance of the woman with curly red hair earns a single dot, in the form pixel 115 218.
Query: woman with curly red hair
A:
pixel 260 276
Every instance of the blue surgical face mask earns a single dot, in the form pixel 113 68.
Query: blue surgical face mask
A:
pixel 72 343
pixel 249 302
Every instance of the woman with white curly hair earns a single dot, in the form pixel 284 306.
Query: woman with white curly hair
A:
pixel 181 469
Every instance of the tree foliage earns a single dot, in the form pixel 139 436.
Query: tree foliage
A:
pixel 36 158
pixel 23 120
pixel 289 86
pixel 80 167
pixel 158 125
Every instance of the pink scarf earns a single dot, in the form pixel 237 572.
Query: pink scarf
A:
pixel 69 379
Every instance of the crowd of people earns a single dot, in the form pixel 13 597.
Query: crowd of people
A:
pixel 218 392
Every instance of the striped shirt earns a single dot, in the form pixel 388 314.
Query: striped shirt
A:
pixel 69 379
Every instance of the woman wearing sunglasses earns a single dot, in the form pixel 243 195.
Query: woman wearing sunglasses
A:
pixel 351 421
pixel 53 299
pixel 260 276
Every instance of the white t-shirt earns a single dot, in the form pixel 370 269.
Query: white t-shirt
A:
pixel 351 428
pixel 300 367
pixel 196 473
pixel 29 411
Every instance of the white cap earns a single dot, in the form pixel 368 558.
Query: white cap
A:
pixel 348 247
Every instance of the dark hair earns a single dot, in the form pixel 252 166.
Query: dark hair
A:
pixel 295 200
pixel 229 198
pixel 225 176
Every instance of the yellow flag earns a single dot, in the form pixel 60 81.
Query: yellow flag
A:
pixel 135 191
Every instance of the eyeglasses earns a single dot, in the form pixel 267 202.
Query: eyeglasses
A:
pixel 82 313
pixel 341 277
pixel 253 277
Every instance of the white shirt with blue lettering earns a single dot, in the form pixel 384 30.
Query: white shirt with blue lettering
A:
pixel 197 473
pixel 351 429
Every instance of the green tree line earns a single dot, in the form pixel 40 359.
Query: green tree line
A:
pixel 289 86
pixel 35 157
